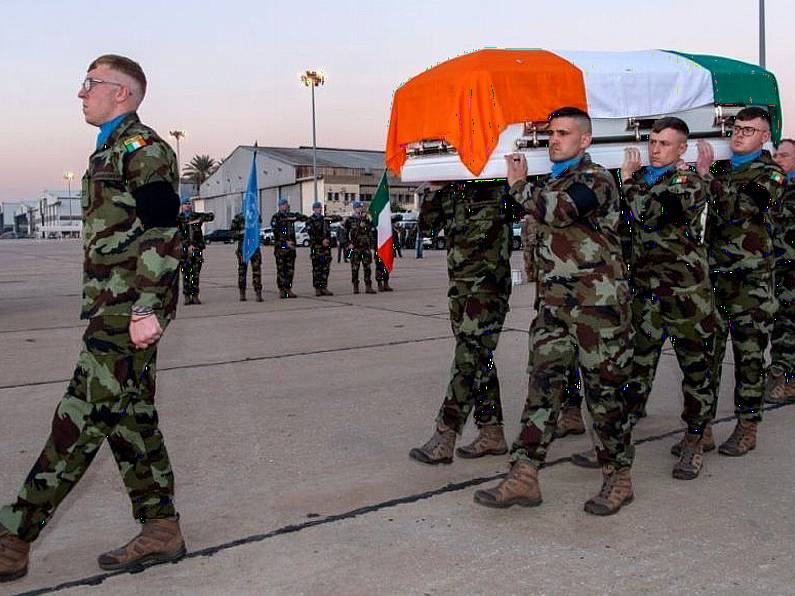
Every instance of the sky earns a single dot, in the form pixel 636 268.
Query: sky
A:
pixel 226 72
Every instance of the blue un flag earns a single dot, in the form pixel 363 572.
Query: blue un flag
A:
pixel 251 212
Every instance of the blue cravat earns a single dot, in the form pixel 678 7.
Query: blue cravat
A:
pixel 791 176
pixel 558 167
pixel 107 128
pixel 741 160
pixel 653 173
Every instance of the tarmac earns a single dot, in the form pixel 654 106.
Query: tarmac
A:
pixel 289 422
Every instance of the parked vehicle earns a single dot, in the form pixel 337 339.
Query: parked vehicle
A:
pixel 301 237
pixel 266 236
pixel 224 236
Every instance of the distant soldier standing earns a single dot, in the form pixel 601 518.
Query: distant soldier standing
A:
pixel 359 229
pixel 130 294
pixel 319 229
pixel 283 225
pixel 238 233
pixel 476 218
pixel 190 228
pixel 781 375
pixel 746 194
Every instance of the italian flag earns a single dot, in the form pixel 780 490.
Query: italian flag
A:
pixel 381 212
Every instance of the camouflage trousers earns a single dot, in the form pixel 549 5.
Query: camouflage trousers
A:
pixel 111 396
pixel 256 270
pixel 688 320
pixel 321 265
pixel 381 272
pixel 191 269
pixel 364 258
pixel 745 306
pixel 477 321
pixel 598 341
pixel 285 267
pixel 782 340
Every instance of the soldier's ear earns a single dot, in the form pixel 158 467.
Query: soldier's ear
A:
pixel 682 148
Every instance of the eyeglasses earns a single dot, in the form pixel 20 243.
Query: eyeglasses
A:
pixel 89 83
pixel 745 131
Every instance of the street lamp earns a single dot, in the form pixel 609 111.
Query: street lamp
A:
pixel 313 78
pixel 178 134
pixel 68 177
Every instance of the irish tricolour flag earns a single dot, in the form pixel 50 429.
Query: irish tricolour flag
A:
pixel 381 213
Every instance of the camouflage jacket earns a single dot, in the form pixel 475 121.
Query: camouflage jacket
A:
pixel 130 240
pixel 476 219
pixel 529 237
pixel 283 225
pixel 319 229
pixel 784 241
pixel 739 233
pixel 190 229
pixel 667 251
pixel 579 253
pixel 359 232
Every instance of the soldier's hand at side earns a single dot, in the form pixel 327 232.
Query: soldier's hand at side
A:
pixel 516 166
pixel 631 163
pixel 706 156
pixel 290 244
pixel 326 243
pixel 145 331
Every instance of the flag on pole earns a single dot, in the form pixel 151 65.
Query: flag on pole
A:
pixel 381 212
pixel 251 212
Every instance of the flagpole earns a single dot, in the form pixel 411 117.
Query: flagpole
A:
pixel 762 33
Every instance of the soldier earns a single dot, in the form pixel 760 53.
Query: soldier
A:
pixel 190 227
pixel 583 320
pixel 781 374
pixel 319 230
pixel 476 218
pixel 672 291
pixel 342 244
pixel 130 293
pixel 746 192
pixel 359 229
pixel 381 272
pixel 283 225
pixel 238 233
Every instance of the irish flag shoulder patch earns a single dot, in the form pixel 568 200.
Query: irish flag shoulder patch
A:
pixel 777 177
pixel 133 143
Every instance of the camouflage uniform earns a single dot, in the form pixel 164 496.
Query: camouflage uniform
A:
pixel 740 244
pixel 381 272
pixel 783 337
pixel 359 240
pixel 131 258
pixel 190 228
pixel 475 217
pixel 318 228
pixel 238 233
pixel 283 225
pixel 584 317
pixel 672 294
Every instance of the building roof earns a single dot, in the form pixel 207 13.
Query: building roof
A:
pixel 326 157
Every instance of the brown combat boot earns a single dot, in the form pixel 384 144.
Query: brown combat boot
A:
pixel 387 287
pixel 242 295
pixel 159 541
pixel 380 286
pixel 368 289
pixel 290 294
pixel 14 554
pixel 356 287
pixel 691 459
pixel 259 295
pixel 326 292
pixel 586 459
pixel 438 449
pixel 187 301
pixel 741 441
pixel 570 422
pixel 519 487
pixel 707 443
pixel 318 292
pixel 196 299
pixel 490 441
pixel 780 390
pixel 615 493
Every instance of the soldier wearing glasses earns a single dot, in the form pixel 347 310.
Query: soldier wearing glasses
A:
pixel 130 291
pixel 746 195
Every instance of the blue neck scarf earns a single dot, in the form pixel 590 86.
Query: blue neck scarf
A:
pixel 106 129
pixel 653 173
pixel 790 176
pixel 558 167
pixel 741 160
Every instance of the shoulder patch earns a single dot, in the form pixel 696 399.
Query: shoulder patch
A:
pixel 679 179
pixel 133 143
pixel 777 177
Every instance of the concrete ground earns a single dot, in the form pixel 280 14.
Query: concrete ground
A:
pixel 289 423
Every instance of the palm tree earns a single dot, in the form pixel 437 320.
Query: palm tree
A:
pixel 200 168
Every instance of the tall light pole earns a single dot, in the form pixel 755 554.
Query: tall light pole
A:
pixel 178 134
pixel 313 78
pixel 68 177
pixel 762 33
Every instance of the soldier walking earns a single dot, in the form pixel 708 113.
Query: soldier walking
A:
pixel 190 226
pixel 130 294
pixel 584 318
pixel 476 217
pixel 359 229
pixel 238 233
pixel 283 225
pixel 746 192
pixel 319 229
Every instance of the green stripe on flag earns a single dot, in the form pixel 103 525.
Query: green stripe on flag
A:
pixel 380 199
